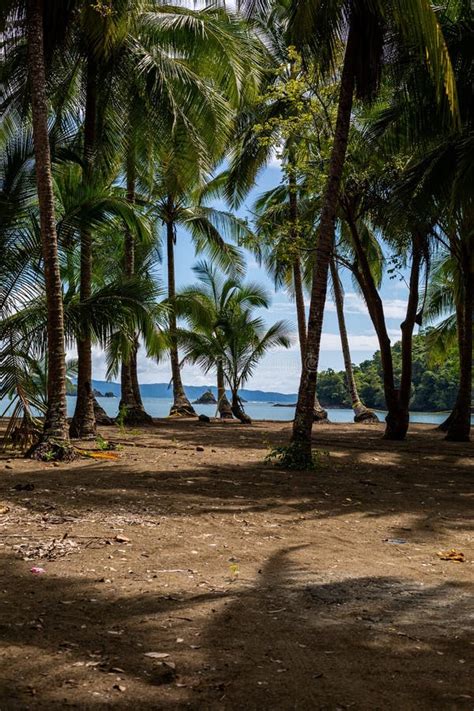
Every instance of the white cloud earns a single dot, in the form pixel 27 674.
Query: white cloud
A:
pixel 354 304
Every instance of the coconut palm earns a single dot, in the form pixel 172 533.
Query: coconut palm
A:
pixel 29 19
pixel 188 67
pixel 439 176
pixel 366 29
pixel 225 335
pixel 246 339
pixel 204 307
pixel 181 203
pixel 113 302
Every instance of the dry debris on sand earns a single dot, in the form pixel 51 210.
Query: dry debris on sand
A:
pixel 187 574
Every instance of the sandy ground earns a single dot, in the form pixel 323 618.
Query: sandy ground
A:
pixel 251 587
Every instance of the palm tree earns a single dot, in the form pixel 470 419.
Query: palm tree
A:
pixel 439 178
pixel 180 202
pixel 246 340
pixel 224 335
pixel 114 303
pixel 205 306
pixel 55 423
pixel 364 28
pixel 189 67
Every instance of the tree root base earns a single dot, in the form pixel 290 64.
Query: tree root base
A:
pixel 457 437
pixel 182 410
pixel 76 432
pixel 136 416
pixel 52 451
pixel 320 417
pixel 368 417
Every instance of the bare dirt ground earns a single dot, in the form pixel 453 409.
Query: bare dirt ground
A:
pixel 252 587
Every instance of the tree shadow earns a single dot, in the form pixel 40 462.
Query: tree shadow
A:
pixel 362 642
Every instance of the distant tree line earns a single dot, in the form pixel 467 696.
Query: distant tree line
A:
pixel 434 384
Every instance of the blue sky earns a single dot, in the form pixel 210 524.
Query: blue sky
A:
pixel 280 369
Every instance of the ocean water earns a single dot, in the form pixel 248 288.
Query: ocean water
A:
pixel 160 407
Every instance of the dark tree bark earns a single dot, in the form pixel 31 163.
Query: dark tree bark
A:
pixel 55 423
pixel 131 400
pixel 397 400
pixel 238 410
pixel 361 412
pixel 83 422
pixel 223 405
pixel 301 438
pixel 320 416
pixel 459 423
pixel 181 405
pixel 400 427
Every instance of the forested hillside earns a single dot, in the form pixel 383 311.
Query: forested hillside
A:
pixel 434 384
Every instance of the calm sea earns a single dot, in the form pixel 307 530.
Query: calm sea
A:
pixel 160 407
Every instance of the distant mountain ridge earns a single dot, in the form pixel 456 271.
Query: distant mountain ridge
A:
pixel 194 392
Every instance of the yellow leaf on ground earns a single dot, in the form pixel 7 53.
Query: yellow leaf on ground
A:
pixel 453 554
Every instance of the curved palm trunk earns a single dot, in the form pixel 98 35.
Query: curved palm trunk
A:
pixel 301 437
pixel 397 400
pixel 238 410
pixel 181 405
pixel 83 423
pixel 223 405
pixel 55 423
pixel 407 328
pixel 459 422
pixel 361 412
pixel 131 403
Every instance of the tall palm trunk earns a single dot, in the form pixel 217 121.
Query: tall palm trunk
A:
pixel 361 412
pixel 223 405
pixel 301 438
pixel 459 422
pixel 319 413
pixel 83 423
pixel 131 403
pixel 55 424
pixel 181 405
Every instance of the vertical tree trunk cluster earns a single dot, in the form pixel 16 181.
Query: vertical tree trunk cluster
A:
pixel 397 399
pixel 301 438
pixel 55 424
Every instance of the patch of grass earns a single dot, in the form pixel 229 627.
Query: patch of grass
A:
pixel 294 456
pixel 120 419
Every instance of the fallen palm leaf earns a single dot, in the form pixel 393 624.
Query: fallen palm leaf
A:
pixel 98 455
pixel 453 554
